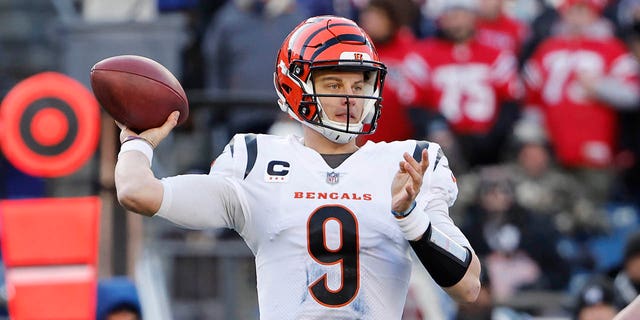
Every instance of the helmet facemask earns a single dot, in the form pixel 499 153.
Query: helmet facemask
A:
pixel 311 110
pixel 334 44
pixel 366 101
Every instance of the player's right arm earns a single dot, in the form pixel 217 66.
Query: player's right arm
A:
pixel 137 188
pixel 194 201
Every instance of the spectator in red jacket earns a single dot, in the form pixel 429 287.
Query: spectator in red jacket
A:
pixel 577 80
pixel 387 22
pixel 466 88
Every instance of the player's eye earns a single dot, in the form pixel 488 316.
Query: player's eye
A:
pixel 333 86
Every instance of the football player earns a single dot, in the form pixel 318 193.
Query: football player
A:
pixel 331 224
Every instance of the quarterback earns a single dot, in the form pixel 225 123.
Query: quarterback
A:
pixel 331 224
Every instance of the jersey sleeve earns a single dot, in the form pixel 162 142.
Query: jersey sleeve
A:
pixel 621 62
pixel 224 163
pixel 207 201
pixel 439 192
pixel 201 202
pixel 237 158
pixel 440 181
pixel 625 68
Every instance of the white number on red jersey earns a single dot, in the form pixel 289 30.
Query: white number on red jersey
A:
pixel 466 92
pixel 562 67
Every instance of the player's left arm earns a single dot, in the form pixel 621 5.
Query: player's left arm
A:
pixel 631 311
pixel 425 222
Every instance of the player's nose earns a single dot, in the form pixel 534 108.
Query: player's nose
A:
pixel 348 101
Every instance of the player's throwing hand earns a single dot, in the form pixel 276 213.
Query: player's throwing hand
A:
pixel 154 135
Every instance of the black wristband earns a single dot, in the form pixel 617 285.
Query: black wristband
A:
pixel 445 267
pixel 406 212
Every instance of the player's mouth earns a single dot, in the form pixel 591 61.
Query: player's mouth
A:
pixel 343 116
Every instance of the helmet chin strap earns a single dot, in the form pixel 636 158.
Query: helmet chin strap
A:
pixel 333 131
pixel 331 134
pixel 338 134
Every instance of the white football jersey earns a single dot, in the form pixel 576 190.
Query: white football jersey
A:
pixel 326 245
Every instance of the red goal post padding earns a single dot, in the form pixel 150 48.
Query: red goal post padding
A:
pixel 50 251
pixel 49 231
pixel 52 292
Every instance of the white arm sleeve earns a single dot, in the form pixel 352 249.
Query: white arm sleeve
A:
pixel 201 201
pixel 438 193
pixel 438 212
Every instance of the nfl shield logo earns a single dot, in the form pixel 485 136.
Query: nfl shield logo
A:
pixel 333 177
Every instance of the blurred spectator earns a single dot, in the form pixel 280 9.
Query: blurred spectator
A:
pixel 627 281
pixel 352 9
pixel 387 23
pixel 465 89
pixel 519 248
pixel 199 17
pixel 498 30
pixel 237 39
pixel 544 190
pixel 576 81
pixel 118 300
pixel 626 13
pixel 239 48
pixel 541 187
pixel 596 300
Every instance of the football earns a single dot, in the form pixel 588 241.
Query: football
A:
pixel 137 91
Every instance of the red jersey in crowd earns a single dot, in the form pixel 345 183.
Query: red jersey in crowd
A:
pixel 467 83
pixel 398 92
pixel 581 129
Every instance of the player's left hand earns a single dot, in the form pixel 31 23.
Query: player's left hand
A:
pixel 407 181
